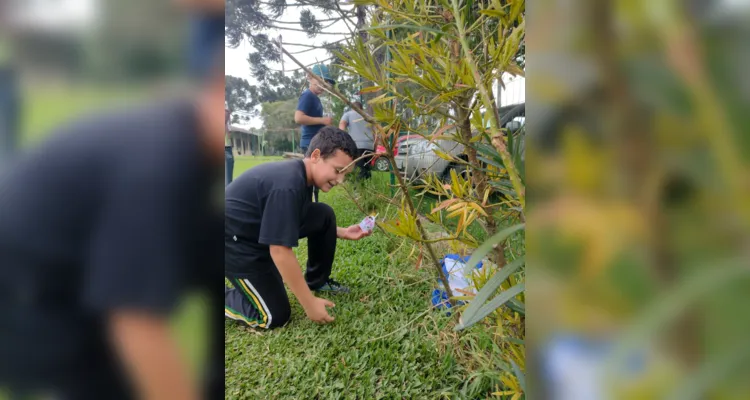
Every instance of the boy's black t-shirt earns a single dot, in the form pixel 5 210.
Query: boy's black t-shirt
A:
pixel 113 212
pixel 264 206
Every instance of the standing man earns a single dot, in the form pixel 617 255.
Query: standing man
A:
pixel 10 95
pixel 207 29
pixel 228 156
pixel 361 132
pixel 309 112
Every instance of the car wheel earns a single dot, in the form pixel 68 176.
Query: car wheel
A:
pixel 461 170
pixel 382 164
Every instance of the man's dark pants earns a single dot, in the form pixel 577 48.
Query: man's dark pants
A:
pixel 363 165
pixel 229 160
pixel 9 112
pixel 258 297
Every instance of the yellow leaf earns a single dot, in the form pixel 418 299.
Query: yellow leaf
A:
pixel 514 69
pixel 443 205
pixel 443 155
pixel 515 9
pixel 455 183
pixel 478 208
pixel 457 206
pixel 470 217
pixel 392 228
pixel 459 227
pixel 381 99
pixel 371 89
pixel 441 130
pixel 492 13
pixel 434 218
pixel 454 213
pixel 486 196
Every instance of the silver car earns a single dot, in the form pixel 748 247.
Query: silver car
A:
pixel 417 157
pixel 422 160
pixel 402 151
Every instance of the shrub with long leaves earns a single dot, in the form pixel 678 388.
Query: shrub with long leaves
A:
pixel 444 58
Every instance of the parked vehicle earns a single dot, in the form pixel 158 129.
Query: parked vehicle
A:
pixel 422 159
pixel 417 157
pixel 403 146
pixel 380 163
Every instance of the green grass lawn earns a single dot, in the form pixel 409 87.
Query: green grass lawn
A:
pixel 44 109
pixel 385 343
pixel 243 163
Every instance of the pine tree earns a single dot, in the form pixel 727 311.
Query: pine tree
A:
pixel 247 19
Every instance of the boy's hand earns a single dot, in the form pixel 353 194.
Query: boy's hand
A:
pixel 147 348
pixel 353 232
pixel 326 120
pixel 317 312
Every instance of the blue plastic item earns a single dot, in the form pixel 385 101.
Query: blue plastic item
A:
pixel 439 296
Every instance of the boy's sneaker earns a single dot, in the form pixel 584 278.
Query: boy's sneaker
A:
pixel 332 287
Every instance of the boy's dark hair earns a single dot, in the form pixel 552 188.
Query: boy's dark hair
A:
pixel 358 104
pixel 329 139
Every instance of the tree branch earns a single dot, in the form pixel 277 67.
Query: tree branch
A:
pixel 305 68
pixel 297 22
pixel 305 51
pixel 300 5
pixel 322 27
pixel 314 46
pixel 281 28
pixel 346 20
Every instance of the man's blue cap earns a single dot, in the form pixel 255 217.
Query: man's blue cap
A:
pixel 321 70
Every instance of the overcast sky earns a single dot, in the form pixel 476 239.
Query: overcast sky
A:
pixel 236 59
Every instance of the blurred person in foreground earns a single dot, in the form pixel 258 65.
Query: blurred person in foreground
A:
pixel 98 249
pixel 228 155
pixel 361 132
pixel 268 209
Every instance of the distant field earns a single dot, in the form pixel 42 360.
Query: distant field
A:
pixel 242 163
pixel 44 108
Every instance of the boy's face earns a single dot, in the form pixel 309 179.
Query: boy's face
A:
pixel 315 87
pixel 329 172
